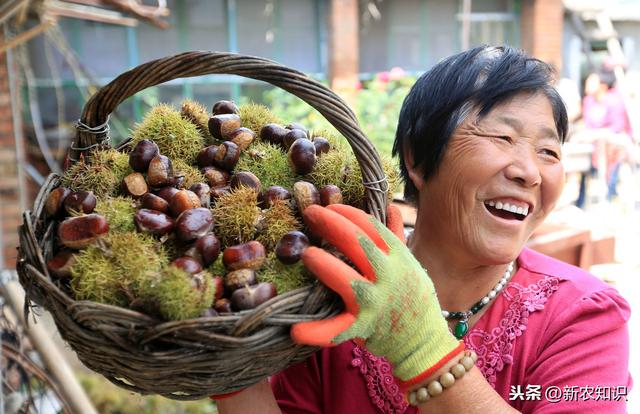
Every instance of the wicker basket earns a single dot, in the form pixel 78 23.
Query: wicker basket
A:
pixel 189 359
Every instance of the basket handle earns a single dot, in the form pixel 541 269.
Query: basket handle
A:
pixel 155 72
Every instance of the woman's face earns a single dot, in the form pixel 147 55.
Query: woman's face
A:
pixel 500 177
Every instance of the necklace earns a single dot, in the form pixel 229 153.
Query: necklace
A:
pixel 462 327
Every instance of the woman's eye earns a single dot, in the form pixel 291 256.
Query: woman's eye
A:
pixel 504 138
pixel 551 152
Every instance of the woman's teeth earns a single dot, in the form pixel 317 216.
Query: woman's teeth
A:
pixel 523 211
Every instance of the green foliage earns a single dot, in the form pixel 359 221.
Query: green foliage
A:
pixel 377 108
pixel 110 399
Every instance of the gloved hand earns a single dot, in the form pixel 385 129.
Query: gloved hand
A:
pixel 391 304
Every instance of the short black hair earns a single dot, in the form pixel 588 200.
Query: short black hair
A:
pixel 607 77
pixel 444 96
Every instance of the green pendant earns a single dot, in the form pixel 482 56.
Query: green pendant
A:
pixel 461 329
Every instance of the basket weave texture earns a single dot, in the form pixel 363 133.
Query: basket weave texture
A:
pixel 195 358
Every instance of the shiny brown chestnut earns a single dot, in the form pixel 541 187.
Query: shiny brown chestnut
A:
pixel 134 185
pixel 220 126
pixel 218 192
pixel 154 202
pixel 216 177
pixel 290 247
pixel 250 255
pixel 203 191
pixel 141 155
pixel 250 297
pixel 292 136
pixel 188 264
pixel 183 200
pixel 193 223
pixel 224 107
pixel 59 266
pixel 218 284
pixel 242 137
pixel 206 155
pixel 166 193
pixel 208 248
pixel 80 202
pixel 160 171
pixel 227 156
pixel 246 179
pixel 330 194
pixel 322 145
pixel 153 222
pixel 269 196
pixel 273 133
pixel 55 202
pixel 302 156
pixel 239 278
pixel 295 125
pixel 222 305
pixel 79 232
pixel 305 194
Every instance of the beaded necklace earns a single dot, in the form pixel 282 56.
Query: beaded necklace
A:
pixel 462 327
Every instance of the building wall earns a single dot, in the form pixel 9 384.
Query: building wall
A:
pixel 541 24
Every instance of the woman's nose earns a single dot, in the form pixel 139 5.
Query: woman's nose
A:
pixel 524 168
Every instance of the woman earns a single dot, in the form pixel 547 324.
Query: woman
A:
pixel 479 140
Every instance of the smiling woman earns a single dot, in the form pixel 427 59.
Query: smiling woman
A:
pixel 479 140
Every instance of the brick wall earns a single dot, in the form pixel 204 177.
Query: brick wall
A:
pixel 343 47
pixel 10 206
pixel 541 30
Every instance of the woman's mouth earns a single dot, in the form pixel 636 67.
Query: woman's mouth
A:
pixel 507 211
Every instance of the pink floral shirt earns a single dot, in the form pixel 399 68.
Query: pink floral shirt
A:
pixel 554 341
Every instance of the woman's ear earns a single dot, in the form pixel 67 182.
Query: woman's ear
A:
pixel 415 175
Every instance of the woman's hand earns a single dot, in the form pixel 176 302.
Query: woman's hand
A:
pixel 391 303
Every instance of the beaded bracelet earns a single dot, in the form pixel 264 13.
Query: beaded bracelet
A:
pixel 446 380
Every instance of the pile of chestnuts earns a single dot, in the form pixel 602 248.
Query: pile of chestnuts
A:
pixel 181 221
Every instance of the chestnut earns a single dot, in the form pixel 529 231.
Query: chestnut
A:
pixel 141 155
pixel 153 222
pixel 220 126
pixel 292 136
pixel 188 264
pixel 218 284
pixel 79 232
pixel 250 297
pixel 166 193
pixel 295 125
pixel 239 278
pixel 250 255
pixel 209 313
pixel 160 171
pixel 154 202
pixel 302 156
pixel 322 145
pixel 177 181
pixel 246 179
pixel 80 202
pixel 330 194
pixel 208 248
pixel 183 200
pixel 216 177
pixel 242 137
pixel 273 133
pixel 269 196
pixel 55 201
pixel 134 185
pixel 203 191
pixel 193 223
pixel 290 247
pixel 227 156
pixel 224 107
pixel 305 194
pixel 59 265
pixel 219 192
pixel 206 155
pixel 222 305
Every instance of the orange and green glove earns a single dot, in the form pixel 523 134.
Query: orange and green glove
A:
pixel 390 304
